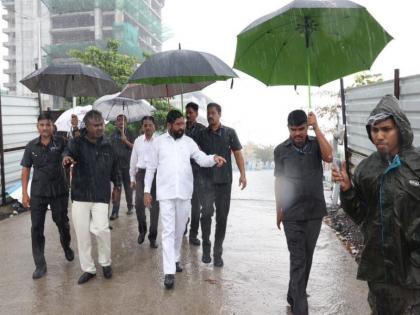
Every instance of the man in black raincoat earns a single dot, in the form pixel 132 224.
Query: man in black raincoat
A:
pixel 384 199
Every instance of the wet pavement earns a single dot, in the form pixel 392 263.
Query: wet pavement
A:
pixel 253 281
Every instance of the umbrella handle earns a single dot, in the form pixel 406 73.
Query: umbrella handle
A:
pixel 308 66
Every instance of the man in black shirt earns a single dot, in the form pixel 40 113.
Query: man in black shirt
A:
pixel 49 187
pixel 193 130
pixel 122 141
pixel 300 199
pixel 94 165
pixel 217 182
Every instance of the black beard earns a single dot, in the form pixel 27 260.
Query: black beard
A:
pixel 177 135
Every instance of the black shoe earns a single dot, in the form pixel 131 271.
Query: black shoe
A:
pixel 195 241
pixel 218 262
pixel 178 267
pixel 113 216
pixel 140 240
pixel 129 211
pixel 69 253
pixel 206 258
pixel 39 272
pixel 85 277
pixel 169 281
pixel 107 271
pixel 153 244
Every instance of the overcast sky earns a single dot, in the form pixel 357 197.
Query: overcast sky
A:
pixel 258 112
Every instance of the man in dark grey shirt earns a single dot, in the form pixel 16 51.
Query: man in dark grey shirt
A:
pixel 122 140
pixel 48 188
pixel 193 130
pixel 300 199
pixel 216 183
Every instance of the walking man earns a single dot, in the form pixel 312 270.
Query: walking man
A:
pixel 49 187
pixel 384 199
pixel 94 165
pixel 217 182
pixel 171 156
pixel 193 130
pixel 300 199
pixel 143 149
pixel 122 141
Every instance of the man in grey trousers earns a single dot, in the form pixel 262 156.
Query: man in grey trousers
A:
pixel 300 199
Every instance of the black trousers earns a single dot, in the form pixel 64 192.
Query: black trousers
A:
pixel 125 176
pixel 388 299
pixel 301 239
pixel 39 206
pixel 195 206
pixel 214 196
pixel 140 209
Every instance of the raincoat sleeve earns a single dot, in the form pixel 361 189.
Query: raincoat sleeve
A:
pixel 70 150
pixel 151 167
pixel 352 201
pixel 115 173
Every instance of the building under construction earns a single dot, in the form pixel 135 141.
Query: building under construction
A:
pixel 51 28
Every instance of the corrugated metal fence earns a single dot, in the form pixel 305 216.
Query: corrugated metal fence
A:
pixel 361 100
pixel 19 116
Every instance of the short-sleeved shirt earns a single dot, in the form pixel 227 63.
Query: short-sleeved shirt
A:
pixel 221 142
pixel 301 180
pixel 48 178
pixel 122 150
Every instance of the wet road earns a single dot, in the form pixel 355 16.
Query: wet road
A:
pixel 253 281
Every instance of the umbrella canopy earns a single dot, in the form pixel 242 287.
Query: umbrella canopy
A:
pixel 142 91
pixel 181 66
pixel 310 42
pixel 70 80
pixel 111 106
pixel 63 122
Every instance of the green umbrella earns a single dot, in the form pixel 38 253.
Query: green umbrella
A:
pixel 310 42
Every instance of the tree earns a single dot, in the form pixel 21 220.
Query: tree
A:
pixel 118 66
pixel 366 78
pixel 264 153
pixel 162 109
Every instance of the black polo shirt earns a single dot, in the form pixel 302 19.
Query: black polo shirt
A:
pixel 194 132
pixel 122 150
pixel 221 142
pixel 301 174
pixel 48 178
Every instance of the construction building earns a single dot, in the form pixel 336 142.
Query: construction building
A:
pixel 44 31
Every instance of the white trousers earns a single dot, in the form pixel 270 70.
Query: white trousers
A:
pixel 173 217
pixel 90 217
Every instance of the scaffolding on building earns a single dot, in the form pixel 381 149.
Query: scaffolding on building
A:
pixel 139 31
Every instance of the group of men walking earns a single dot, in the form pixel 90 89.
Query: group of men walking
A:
pixel 187 171
pixel 166 172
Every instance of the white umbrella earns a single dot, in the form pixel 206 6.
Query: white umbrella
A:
pixel 111 106
pixel 63 122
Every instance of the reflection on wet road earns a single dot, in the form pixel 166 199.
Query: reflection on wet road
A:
pixel 253 281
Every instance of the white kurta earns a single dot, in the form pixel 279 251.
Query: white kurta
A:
pixel 174 188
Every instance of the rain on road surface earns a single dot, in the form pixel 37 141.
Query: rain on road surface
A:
pixel 253 281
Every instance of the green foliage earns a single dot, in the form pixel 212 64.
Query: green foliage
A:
pixel 264 153
pixel 118 66
pixel 366 78
pixel 162 109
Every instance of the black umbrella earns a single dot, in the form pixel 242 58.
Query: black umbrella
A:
pixel 70 80
pixel 181 66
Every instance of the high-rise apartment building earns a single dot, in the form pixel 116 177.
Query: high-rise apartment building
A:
pixel 53 27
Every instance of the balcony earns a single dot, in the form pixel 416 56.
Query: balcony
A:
pixel 9 57
pixel 10 43
pixel 9 70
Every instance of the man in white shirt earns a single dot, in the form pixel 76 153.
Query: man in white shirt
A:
pixel 171 156
pixel 139 156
